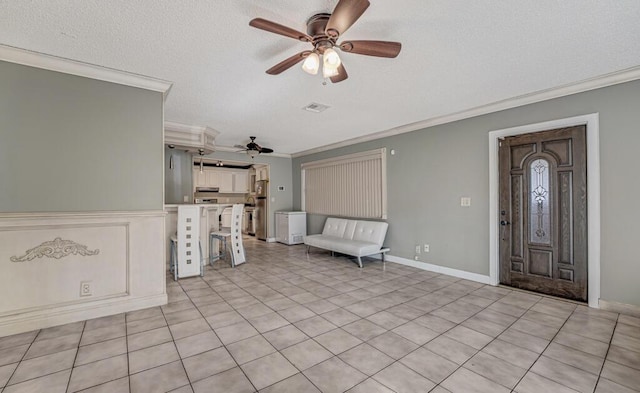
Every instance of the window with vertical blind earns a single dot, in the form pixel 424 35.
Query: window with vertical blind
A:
pixel 349 186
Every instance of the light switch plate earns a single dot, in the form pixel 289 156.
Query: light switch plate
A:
pixel 465 201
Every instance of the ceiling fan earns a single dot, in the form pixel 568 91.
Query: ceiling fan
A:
pixel 323 31
pixel 253 149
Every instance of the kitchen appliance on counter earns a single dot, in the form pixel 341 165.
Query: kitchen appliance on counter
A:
pixel 261 211
pixel 206 195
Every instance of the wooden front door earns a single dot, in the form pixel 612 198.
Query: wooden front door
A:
pixel 543 212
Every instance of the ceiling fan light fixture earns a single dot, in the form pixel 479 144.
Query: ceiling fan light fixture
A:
pixel 331 59
pixel 311 64
pixel 253 153
pixel 328 72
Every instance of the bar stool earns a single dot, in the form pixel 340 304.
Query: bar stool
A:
pixel 232 237
pixel 186 257
pixel 237 248
pixel 221 236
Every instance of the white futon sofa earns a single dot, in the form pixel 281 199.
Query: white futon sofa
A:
pixel 351 237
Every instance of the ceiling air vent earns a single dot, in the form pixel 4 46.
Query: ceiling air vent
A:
pixel 316 108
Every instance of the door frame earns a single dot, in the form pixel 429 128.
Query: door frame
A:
pixel 593 195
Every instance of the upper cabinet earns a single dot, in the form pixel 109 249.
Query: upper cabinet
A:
pixel 241 182
pixel 227 181
pixel 262 173
pixel 194 139
pixel 200 178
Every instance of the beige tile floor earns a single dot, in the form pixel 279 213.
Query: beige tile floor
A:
pixel 288 322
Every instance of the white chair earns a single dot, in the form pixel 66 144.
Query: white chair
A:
pixel 186 253
pixel 232 237
pixel 237 248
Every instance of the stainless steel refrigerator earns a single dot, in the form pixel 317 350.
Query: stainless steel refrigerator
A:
pixel 261 211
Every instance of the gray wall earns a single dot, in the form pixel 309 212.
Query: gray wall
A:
pixel 178 181
pixel 69 143
pixel 279 175
pixel 436 166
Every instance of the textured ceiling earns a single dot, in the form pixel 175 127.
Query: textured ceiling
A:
pixel 456 55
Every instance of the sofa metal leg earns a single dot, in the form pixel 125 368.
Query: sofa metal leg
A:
pixel 308 247
pixel 360 262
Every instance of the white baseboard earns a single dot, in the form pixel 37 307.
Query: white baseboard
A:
pixel 79 312
pixel 441 269
pixel 271 240
pixel 622 308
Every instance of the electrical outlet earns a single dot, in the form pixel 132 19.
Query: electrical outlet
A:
pixel 465 201
pixel 185 198
pixel 416 257
pixel 418 249
pixel 426 248
pixel 85 288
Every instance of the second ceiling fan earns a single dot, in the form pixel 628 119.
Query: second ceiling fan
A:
pixel 323 31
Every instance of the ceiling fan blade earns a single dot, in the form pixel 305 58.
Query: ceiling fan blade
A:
pixel 276 28
pixel 345 15
pixel 372 48
pixel 288 63
pixel 266 150
pixel 243 147
pixel 342 75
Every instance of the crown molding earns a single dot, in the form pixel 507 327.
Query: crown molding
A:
pixel 72 67
pixel 232 149
pixel 179 127
pixel 614 78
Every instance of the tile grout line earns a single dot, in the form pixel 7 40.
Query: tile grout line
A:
pixel 173 338
pixel 214 332
pixel 386 330
pixel 21 360
pixel 442 334
pixel 126 343
pixel 607 353
pixel 84 326
pixel 540 355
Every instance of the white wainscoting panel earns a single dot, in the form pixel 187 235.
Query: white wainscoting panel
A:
pixel 45 257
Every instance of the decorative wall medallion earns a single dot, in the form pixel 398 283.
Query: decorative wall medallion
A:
pixel 57 248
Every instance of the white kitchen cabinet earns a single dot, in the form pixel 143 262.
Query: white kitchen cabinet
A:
pixel 213 178
pixel 291 227
pixel 226 182
pixel 229 182
pixel 262 173
pixel 241 182
pixel 200 178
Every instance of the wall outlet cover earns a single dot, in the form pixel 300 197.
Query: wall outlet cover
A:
pixel 85 288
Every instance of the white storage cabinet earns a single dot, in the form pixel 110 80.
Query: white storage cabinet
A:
pixel 291 227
